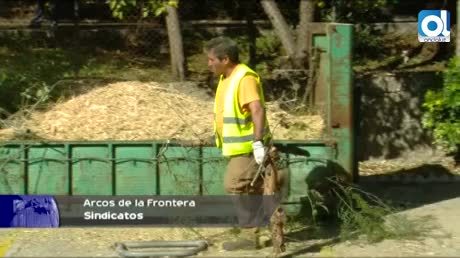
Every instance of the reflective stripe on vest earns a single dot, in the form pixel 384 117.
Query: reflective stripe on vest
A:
pixel 238 128
pixel 236 139
pixel 240 121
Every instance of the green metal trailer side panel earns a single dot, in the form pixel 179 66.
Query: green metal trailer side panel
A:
pixel 341 46
pixel 91 173
pixel 112 168
pixel 321 94
pixel 341 85
pixel 136 170
pixel 12 173
pixel 335 94
pixel 47 170
pixel 214 167
pixel 179 171
pixel 301 168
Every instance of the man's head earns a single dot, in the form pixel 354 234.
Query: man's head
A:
pixel 222 54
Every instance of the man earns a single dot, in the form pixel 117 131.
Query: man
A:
pixel 241 131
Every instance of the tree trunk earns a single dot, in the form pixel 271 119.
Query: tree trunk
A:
pixel 306 13
pixel 175 43
pixel 281 27
pixel 252 31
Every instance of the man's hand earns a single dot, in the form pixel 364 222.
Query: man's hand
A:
pixel 259 152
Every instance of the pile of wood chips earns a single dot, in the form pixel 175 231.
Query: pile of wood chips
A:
pixel 148 111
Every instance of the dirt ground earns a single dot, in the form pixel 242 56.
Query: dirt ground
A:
pixel 440 201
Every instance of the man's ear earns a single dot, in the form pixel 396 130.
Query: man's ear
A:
pixel 225 60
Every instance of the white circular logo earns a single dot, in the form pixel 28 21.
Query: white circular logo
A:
pixel 439 25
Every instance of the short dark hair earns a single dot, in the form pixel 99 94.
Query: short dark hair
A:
pixel 223 46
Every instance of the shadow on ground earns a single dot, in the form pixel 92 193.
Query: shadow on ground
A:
pixel 410 188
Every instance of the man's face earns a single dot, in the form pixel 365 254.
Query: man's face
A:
pixel 216 66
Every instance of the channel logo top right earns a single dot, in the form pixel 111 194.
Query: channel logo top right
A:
pixel 434 26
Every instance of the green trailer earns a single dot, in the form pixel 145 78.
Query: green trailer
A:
pixel 168 168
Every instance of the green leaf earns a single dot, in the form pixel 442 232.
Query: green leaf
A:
pixel 112 4
pixel 442 109
pixel 160 11
pixel 145 13
pixel 173 3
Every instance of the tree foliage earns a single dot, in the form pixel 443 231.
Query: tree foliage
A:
pixel 442 109
pixel 355 11
pixel 147 8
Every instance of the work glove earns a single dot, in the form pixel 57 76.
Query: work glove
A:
pixel 259 151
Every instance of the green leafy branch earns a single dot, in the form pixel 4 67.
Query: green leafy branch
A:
pixel 442 109
pixel 147 8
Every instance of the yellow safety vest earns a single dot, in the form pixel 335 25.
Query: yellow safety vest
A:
pixel 238 129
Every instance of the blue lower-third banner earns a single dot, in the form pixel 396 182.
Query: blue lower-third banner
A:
pixel 45 211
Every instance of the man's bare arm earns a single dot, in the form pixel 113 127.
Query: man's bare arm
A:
pixel 258 118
